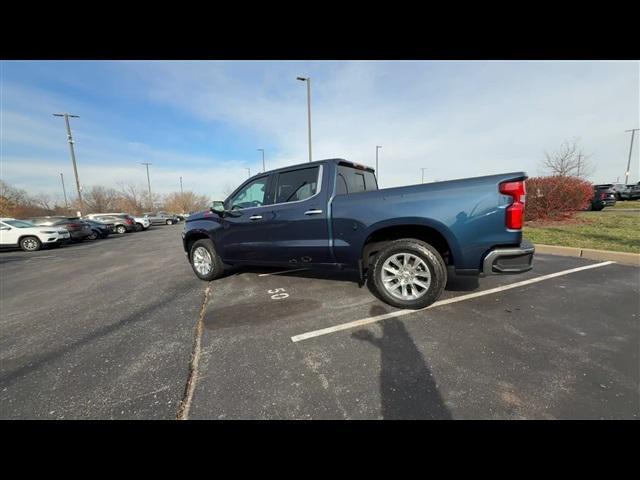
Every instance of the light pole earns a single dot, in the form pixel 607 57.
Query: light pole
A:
pixel 423 169
pixel 626 174
pixel 182 195
pixel 73 154
pixel 263 167
pixel 308 80
pixel 248 172
pixel 378 147
pixel 148 183
pixel 64 192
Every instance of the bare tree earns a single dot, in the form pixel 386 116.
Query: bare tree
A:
pixel 101 199
pixel 130 198
pixel 189 202
pixel 568 161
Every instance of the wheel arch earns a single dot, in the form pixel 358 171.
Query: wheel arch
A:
pixel 429 231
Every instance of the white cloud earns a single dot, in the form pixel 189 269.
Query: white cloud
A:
pixel 456 119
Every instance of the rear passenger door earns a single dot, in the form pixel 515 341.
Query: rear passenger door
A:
pixel 299 231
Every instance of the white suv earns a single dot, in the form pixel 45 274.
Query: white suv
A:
pixel 18 233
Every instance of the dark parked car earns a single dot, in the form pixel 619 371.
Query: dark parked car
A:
pixel 330 214
pixel 632 192
pixel 122 222
pixel 603 196
pixel 99 229
pixel 78 229
pixel 162 218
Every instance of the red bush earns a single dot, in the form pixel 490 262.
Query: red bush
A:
pixel 556 197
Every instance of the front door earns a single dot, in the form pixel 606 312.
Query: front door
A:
pixel 244 234
pixel 299 230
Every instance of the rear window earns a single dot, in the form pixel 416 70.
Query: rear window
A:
pixel 353 180
pixel 296 185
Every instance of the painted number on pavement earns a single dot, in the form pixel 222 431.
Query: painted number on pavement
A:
pixel 278 293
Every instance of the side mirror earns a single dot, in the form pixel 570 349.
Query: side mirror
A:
pixel 217 206
pixel 5 228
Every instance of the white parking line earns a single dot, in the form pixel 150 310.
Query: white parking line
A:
pixel 284 271
pixel 461 298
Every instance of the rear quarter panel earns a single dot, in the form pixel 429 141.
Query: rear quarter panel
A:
pixel 469 213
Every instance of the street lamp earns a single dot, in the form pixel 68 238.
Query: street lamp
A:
pixel 263 167
pixel 308 80
pixel 148 183
pixel 423 169
pixel 626 174
pixel 248 172
pixel 73 154
pixel 378 147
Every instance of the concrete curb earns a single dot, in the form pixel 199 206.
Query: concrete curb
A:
pixel 591 254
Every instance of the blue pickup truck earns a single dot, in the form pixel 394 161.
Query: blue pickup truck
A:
pixel 331 214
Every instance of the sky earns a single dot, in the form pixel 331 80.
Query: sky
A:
pixel 205 120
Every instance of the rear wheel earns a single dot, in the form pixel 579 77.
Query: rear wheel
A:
pixel 205 261
pixel 409 273
pixel 169 222
pixel 121 229
pixel 30 244
pixel 94 235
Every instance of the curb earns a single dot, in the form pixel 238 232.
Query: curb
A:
pixel 590 253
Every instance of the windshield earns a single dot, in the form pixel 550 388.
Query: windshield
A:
pixel 19 224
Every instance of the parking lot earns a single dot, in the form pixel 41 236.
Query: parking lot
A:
pixel 124 330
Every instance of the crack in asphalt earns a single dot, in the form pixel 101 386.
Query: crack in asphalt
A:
pixel 185 403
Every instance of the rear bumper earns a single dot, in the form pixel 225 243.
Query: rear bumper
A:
pixel 504 260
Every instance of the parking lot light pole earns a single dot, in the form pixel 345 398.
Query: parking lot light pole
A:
pixel 148 183
pixel 626 174
pixel 263 167
pixel 64 192
pixel 182 195
pixel 66 117
pixel 248 172
pixel 423 169
pixel 378 147
pixel 308 80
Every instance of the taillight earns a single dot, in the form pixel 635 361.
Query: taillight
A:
pixel 129 221
pixel 603 195
pixel 515 212
pixel 74 225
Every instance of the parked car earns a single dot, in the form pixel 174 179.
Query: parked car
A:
pixel 603 196
pixel 632 192
pixel 618 189
pixel 78 229
pixel 161 218
pixel 99 229
pixel 330 214
pixel 142 222
pixel 122 222
pixel 23 234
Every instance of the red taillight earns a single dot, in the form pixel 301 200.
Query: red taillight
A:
pixel 603 195
pixel 515 212
pixel 74 225
pixel 129 221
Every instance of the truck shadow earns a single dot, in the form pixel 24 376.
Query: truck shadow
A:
pixel 454 283
pixel 407 387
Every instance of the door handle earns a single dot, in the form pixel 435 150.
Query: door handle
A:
pixel 255 217
pixel 312 212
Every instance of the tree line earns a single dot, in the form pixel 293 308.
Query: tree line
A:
pixel 127 198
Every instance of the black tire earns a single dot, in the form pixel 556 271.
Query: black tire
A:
pixel 139 227
pixel 30 244
pixel 433 261
pixel 218 267
pixel 169 222
pixel 121 229
pixel 94 235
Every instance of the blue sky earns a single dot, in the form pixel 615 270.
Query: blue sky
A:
pixel 204 120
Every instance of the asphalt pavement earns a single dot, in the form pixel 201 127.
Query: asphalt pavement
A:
pixel 106 330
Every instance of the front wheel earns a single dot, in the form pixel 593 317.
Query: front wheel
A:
pixel 30 244
pixel 409 273
pixel 121 229
pixel 205 261
pixel 94 235
pixel 169 222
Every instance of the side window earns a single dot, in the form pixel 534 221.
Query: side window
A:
pixel 296 185
pixel 352 180
pixel 251 195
